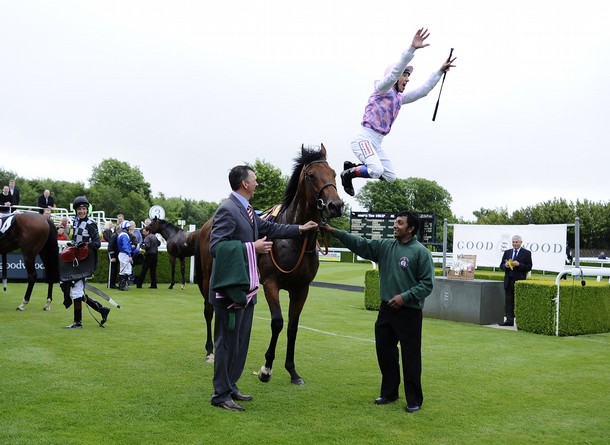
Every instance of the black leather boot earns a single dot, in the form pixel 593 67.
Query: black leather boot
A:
pixel 97 306
pixel 346 180
pixel 78 315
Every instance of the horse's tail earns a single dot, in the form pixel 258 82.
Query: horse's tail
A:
pixel 50 255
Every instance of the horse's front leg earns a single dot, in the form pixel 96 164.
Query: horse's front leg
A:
pixel 208 313
pixel 32 276
pixel 297 302
pixel 4 266
pixel 182 271
pixel 272 294
pixel 172 267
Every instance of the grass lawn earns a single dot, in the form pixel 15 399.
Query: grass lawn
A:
pixel 143 379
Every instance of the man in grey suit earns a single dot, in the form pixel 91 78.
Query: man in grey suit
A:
pixel 235 220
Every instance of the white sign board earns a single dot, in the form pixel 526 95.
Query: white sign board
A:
pixel 156 211
pixel 547 242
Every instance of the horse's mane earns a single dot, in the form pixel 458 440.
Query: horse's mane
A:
pixel 306 157
pixel 168 225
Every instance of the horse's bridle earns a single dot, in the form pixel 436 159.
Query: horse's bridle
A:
pixel 320 204
pixel 322 208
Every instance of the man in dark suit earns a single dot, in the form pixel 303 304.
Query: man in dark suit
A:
pixel 516 263
pixel 235 220
pixel 45 201
pixel 15 192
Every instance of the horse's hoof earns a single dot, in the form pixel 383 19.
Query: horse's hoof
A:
pixel 298 381
pixel 264 374
pixel 183 287
pixel 209 358
pixel 47 307
pixel 21 307
pixel 171 287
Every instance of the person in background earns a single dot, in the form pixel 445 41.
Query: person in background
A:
pixel 406 278
pixel 119 220
pixel 150 245
pixel 516 263
pixel 381 111
pixel 61 236
pixel 147 222
pixel 138 258
pixel 601 256
pixel 126 252
pixel 113 258
pixel 14 191
pixel 65 223
pixel 108 231
pixel 46 201
pixel 6 199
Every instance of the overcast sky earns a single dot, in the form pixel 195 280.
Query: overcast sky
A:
pixel 185 90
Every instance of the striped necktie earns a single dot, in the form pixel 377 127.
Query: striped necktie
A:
pixel 251 213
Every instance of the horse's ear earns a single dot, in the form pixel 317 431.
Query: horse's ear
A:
pixel 323 149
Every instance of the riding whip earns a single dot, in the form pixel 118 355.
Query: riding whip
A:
pixel 441 90
pixel 96 291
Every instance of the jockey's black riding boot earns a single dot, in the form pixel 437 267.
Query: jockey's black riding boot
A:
pixel 97 306
pixel 350 173
pixel 347 165
pixel 78 315
pixel 123 282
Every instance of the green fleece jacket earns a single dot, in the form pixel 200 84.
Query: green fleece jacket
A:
pixel 405 269
pixel 231 277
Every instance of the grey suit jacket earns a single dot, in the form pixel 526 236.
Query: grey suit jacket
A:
pixel 231 222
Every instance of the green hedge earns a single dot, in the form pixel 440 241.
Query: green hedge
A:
pixel 163 269
pixel 582 309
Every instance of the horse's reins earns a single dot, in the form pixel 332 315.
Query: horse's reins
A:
pixel 321 206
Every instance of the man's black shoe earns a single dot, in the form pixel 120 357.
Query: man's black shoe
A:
pixel 241 397
pixel 412 408
pixel 507 323
pixel 385 400
pixel 229 405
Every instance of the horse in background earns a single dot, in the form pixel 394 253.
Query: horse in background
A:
pixel 292 264
pixel 33 234
pixel 180 244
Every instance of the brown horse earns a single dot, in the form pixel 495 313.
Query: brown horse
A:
pixel 34 235
pixel 180 244
pixel 311 195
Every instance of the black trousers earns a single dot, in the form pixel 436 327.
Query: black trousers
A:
pixel 150 262
pixel 509 300
pixel 404 326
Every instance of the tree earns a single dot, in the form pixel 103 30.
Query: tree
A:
pixel 415 194
pixel 492 216
pixel 192 212
pixel 120 188
pixel 271 185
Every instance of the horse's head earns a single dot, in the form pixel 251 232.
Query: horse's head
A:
pixel 319 182
pixel 155 225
